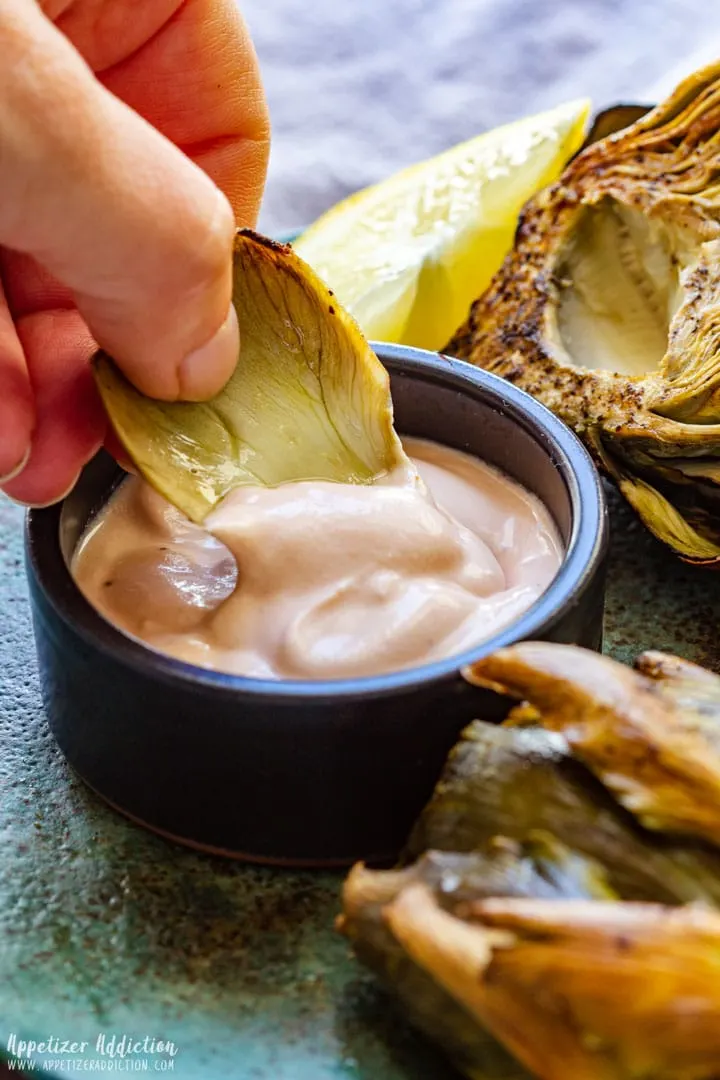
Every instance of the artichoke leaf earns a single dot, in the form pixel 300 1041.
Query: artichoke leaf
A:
pixel 672 527
pixel 688 530
pixel 613 119
pixel 707 469
pixel 588 990
pixel 535 915
pixel 690 687
pixel 690 386
pixel 649 443
pixel 539 867
pixel 683 478
pixel 671 671
pixel 308 398
pixel 691 531
pixel 608 308
pixel 511 781
pixel 652 754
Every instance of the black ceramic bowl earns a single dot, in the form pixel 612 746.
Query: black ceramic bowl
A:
pixel 300 772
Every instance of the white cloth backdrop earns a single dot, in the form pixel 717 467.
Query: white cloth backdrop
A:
pixel 359 88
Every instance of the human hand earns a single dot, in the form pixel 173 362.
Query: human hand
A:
pixel 109 234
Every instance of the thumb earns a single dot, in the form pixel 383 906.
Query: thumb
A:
pixel 141 235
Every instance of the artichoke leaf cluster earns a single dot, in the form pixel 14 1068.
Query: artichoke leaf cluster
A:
pixel 540 866
pixel 608 310
pixel 556 912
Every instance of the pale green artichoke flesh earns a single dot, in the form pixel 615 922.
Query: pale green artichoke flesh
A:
pixel 618 286
pixel 308 400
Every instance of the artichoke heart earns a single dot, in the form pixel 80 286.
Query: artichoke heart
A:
pixel 608 310
pixel 308 400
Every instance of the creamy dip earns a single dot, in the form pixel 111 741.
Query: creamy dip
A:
pixel 316 580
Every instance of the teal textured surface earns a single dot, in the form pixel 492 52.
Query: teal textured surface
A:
pixel 105 929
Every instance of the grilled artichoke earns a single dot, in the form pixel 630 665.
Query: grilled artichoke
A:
pixel 541 867
pixel 608 310
pixel 503 934
pixel 577 989
pixel 509 781
pixel 309 401
pixel 608 121
pixel 653 742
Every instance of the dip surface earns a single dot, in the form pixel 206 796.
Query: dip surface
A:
pixel 316 580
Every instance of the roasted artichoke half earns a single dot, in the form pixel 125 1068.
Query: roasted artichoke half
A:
pixel 557 913
pixel 608 310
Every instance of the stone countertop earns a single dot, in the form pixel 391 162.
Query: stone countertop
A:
pixel 106 928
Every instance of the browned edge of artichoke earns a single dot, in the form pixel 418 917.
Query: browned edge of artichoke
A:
pixel 613 119
pixel 659 757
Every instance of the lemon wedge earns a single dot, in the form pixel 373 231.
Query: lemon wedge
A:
pixel 409 255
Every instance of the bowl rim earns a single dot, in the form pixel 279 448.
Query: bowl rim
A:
pixel 584 553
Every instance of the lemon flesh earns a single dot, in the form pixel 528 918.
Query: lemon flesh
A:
pixel 408 256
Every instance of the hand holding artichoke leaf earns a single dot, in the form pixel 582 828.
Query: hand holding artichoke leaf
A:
pixel 608 310
pixel 557 912
pixel 309 401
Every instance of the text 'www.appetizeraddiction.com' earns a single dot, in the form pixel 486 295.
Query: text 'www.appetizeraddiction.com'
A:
pixel 108 1053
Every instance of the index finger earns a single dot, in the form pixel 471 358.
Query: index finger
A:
pixel 17 409
pixel 196 79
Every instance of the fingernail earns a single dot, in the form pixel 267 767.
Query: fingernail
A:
pixel 18 468
pixel 30 504
pixel 205 371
